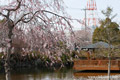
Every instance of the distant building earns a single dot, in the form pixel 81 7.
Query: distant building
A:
pixel 97 45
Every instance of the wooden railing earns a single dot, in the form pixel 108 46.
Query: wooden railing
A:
pixel 96 62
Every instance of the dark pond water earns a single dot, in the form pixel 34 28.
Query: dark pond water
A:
pixel 44 74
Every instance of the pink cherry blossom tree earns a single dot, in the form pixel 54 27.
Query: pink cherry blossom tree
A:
pixel 42 15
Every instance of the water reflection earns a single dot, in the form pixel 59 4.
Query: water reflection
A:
pixel 85 74
pixel 38 74
pixel 43 74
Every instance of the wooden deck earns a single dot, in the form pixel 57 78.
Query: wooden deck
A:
pixel 95 65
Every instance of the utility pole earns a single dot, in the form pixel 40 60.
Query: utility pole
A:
pixel 85 18
pixel 85 22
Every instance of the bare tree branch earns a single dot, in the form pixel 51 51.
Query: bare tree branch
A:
pixel 61 17
pixel 3 15
pixel 18 6
pixel 23 19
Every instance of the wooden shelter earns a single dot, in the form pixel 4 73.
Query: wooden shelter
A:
pixel 96 64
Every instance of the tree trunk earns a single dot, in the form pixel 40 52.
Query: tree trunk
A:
pixel 7 60
pixel 9 48
pixel 109 66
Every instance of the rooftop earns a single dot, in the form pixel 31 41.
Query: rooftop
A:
pixel 98 45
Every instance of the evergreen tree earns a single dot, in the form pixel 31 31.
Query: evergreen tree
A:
pixel 108 31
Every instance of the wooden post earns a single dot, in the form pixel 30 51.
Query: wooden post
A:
pixel 88 55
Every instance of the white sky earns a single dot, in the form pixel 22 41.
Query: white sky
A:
pixel 74 7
